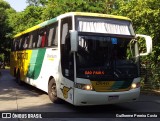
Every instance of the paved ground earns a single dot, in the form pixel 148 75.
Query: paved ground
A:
pixel 15 98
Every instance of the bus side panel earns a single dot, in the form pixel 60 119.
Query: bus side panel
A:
pixel 52 67
pixel 49 68
pixel 65 89
pixel 25 63
pixel 20 61
pixel 35 64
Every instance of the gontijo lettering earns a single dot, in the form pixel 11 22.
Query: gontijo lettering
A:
pixel 22 55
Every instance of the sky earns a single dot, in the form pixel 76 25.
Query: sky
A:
pixel 18 5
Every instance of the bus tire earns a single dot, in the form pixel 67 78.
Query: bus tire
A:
pixel 52 91
pixel 18 79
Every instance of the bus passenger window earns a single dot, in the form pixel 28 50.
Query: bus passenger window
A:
pixel 16 47
pixel 43 39
pixel 26 42
pixel 53 35
pixel 64 32
pixel 30 41
pixel 50 37
pixel 39 40
pixel 20 44
pixel 34 44
pixel 35 39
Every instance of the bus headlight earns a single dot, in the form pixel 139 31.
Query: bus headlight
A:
pixel 135 85
pixel 84 86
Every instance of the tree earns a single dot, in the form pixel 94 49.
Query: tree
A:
pixel 54 8
pixel 145 17
pixel 6 29
pixel 21 21
pixel 36 2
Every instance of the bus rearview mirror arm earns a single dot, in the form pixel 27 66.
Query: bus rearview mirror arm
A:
pixel 74 40
pixel 148 43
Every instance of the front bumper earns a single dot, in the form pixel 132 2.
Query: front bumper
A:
pixel 83 97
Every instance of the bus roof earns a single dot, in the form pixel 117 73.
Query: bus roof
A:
pixel 99 15
pixel 43 24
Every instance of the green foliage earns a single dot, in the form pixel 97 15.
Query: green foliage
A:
pixel 6 29
pixel 56 7
pixel 145 17
pixel 26 19
pixel 36 2
pixel 2 57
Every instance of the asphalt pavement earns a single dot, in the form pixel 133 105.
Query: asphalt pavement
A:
pixel 28 99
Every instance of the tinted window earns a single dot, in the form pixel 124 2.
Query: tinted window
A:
pixel 35 39
pixel 42 38
pixel 26 42
pixel 53 35
pixel 66 55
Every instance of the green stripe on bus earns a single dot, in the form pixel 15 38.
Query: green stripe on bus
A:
pixel 121 84
pixel 36 62
pixel 48 22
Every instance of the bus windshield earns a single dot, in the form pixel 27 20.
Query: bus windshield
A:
pixel 106 58
pixel 106 26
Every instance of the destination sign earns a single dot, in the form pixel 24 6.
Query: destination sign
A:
pixel 91 72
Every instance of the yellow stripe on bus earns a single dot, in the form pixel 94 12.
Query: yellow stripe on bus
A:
pixel 27 31
pixel 100 15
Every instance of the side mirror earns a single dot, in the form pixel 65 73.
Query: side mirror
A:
pixel 148 44
pixel 74 40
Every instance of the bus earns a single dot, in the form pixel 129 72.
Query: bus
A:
pixel 82 58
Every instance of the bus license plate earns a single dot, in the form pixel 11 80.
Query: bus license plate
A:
pixel 113 98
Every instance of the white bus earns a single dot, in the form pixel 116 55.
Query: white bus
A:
pixel 82 58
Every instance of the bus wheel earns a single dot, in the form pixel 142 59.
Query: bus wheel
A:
pixel 18 79
pixel 52 91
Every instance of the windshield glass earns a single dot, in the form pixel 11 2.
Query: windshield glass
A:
pixel 104 25
pixel 105 57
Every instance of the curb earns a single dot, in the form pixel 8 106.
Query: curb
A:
pixel 151 92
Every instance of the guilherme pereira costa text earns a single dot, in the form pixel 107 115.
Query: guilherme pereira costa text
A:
pixel 134 115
